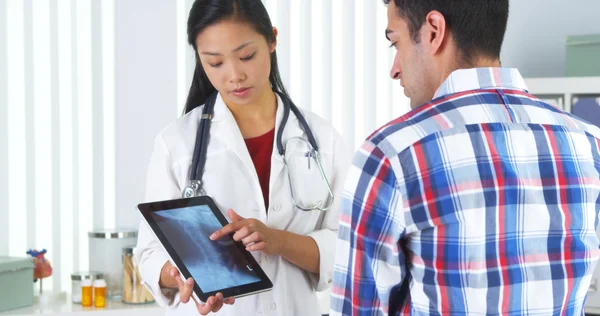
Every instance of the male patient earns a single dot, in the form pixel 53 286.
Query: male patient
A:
pixel 483 200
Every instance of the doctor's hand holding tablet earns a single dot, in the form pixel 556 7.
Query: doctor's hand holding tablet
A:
pixel 204 269
pixel 171 279
pixel 255 236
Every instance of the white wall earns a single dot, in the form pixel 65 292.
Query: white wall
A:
pixel 146 93
pixel 3 131
pixel 537 31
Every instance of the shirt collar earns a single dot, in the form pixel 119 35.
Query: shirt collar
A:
pixel 481 78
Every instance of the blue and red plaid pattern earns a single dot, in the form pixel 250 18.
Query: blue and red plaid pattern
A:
pixel 484 201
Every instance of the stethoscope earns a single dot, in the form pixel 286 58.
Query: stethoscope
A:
pixel 199 159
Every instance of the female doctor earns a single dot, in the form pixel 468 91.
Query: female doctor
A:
pixel 260 165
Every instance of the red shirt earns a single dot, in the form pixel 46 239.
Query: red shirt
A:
pixel 260 149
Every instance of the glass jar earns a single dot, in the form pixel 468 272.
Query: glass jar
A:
pixel 76 279
pixel 106 246
pixel 134 292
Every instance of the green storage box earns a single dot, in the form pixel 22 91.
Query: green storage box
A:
pixel 16 282
pixel 583 56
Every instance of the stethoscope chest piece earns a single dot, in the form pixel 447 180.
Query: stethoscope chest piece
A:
pixel 193 190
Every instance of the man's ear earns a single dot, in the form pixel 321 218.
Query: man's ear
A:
pixel 433 32
pixel 273 44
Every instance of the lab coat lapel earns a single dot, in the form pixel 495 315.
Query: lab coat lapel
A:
pixel 291 129
pixel 226 132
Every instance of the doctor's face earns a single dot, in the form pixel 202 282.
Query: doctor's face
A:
pixel 236 59
pixel 412 66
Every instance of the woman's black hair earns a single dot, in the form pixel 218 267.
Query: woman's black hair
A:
pixel 208 12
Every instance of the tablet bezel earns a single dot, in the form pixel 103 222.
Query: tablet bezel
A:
pixel 146 209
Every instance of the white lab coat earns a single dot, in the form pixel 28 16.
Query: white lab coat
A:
pixel 231 180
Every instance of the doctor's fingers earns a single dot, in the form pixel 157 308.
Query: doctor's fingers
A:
pixel 243 233
pixel 259 246
pixel 219 304
pixel 213 304
pixel 185 289
pixel 252 238
pixel 228 229
pixel 182 285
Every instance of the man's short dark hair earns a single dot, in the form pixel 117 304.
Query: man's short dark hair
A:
pixel 477 26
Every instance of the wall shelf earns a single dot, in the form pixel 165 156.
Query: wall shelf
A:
pixel 565 89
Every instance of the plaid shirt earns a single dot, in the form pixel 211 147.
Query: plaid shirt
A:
pixel 483 201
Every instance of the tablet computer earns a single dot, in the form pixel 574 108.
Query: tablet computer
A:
pixel 183 226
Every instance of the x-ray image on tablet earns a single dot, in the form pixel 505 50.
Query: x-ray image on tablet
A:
pixel 214 264
pixel 183 228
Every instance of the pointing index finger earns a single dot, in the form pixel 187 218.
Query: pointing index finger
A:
pixel 228 229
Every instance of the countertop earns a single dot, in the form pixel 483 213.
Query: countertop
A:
pixel 62 305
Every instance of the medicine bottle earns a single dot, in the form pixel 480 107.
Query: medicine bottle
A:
pixel 76 279
pixel 99 293
pixel 86 293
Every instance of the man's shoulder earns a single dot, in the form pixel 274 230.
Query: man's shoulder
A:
pixel 403 132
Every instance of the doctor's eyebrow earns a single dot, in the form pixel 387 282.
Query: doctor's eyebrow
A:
pixel 233 51
pixel 387 34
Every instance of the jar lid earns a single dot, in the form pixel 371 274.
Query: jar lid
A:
pixel 109 233
pixel 129 250
pixel 86 275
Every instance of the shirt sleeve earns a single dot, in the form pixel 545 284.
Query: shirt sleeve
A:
pixel 369 262
pixel 149 254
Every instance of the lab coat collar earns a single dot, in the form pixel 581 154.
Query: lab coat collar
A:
pixel 221 111
pixel 225 132
pixel 223 114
